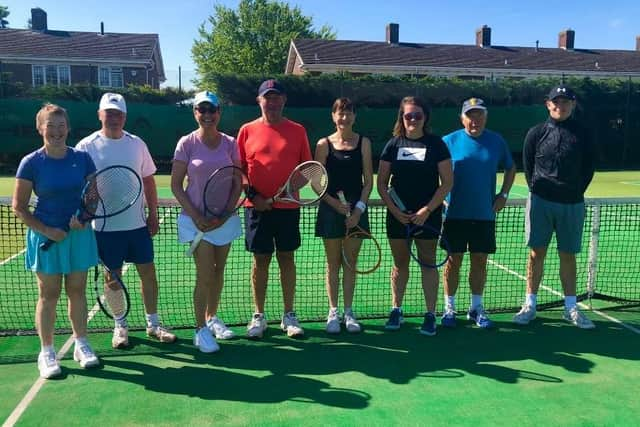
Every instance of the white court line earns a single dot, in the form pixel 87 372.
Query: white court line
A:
pixel 630 182
pixel 35 388
pixel 12 257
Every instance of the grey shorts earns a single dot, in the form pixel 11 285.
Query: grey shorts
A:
pixel 543 217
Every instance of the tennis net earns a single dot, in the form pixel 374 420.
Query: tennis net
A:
pixel 608 268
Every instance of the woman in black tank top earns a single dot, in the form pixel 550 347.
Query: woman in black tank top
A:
pixel 347 157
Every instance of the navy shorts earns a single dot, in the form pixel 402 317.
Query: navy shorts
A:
pixel 397 230
pixel 118 247
pixel 276 229
pixel 475 236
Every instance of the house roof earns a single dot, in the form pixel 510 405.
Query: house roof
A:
pixel 319 54
pixel 81 47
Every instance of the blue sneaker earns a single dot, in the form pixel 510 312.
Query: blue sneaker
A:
pixel 429 325
pixel 448 318
pixel 480 318
pixel 395 320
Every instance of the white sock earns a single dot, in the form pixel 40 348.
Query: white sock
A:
pixel 476 300
pixel 47 349
pixel 152 319
pixel 122 323
pixel 570 302
pixel 80 341
pixel 348 310
pixel 532 300
pixel 450 302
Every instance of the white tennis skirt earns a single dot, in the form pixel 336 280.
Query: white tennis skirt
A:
pixel 223 235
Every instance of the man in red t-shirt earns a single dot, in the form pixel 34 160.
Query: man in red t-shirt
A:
pixel 270 148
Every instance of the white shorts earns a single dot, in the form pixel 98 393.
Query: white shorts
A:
pixel 223 235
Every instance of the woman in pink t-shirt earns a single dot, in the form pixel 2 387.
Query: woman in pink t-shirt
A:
pixel 197 155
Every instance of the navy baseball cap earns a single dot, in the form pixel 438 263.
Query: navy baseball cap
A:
pixel 561 91
pixel 270 85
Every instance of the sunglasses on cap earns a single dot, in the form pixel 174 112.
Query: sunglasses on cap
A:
pixel 416 115
pixel 205 108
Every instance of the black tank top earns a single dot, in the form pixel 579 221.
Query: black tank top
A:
pixel 344 168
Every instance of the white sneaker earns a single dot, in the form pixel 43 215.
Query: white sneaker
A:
pixel 85 356
pixel 48 364
pixel 526 314
pixel 291 326
pixel 256 327
pixel 205 342
pixel 576 317
pixel 219 329
pixel 333 322
pixel 351 323
pixel 161 333
pixel 120 337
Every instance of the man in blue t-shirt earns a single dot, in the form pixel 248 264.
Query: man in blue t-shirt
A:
pixel 476 154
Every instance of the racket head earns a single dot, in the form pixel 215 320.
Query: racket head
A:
pixel 109 192
pixel 310 175
pixel 361 252
pixel 442 249
pixel 224 192
pixel 114 299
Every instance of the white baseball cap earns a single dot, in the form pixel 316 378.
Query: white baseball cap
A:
pixel 113 101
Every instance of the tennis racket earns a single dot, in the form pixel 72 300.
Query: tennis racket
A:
pixel 309 175
pixel 412 230
pixel 107 192
pixel 224 193
pixel 114 301
pixel 361 252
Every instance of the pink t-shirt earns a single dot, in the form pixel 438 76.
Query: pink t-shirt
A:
pixel 202 161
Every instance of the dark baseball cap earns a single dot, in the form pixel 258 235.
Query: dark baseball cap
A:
pixel 270 85
pixel 561 91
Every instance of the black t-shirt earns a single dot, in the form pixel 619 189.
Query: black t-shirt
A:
pixel 414 167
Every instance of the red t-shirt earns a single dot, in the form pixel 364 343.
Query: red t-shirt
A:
pixel 269 153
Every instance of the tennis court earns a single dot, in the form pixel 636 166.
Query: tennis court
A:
pixel 545 373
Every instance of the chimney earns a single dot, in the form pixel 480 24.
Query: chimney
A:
pixel 38 19
pixel 483 36
pixel 101 28
pixel 393 33
pixel 566 39
pixel 638 43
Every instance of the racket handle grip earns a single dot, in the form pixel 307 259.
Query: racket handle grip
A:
pixel 343 200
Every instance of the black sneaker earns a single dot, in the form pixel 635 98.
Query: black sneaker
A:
pixel 395 320
pixel 429 325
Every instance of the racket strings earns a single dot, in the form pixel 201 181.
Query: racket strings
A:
pixel 114 300
pixel 361 252
pixel 111 191
pixel 310 175
pixel 224 192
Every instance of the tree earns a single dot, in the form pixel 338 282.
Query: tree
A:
pixel 4 12
pixel 254 38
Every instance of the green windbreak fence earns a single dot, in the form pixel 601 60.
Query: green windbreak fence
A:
pixel 162 125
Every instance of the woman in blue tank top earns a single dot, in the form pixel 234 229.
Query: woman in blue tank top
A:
pixel 347 157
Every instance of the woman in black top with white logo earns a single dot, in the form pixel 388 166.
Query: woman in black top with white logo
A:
pixel 347 157
pixel 419 165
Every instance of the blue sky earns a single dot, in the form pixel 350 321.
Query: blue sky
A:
pixel 598 24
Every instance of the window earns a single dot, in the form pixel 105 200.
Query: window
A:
pixel 110 77
pixel 55 75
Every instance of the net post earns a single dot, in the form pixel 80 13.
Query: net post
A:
pixel 593 252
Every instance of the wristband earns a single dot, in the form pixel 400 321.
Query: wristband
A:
pixel 504 195
pixel 361 205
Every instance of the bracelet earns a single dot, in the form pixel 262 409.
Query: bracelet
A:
pixel 361 205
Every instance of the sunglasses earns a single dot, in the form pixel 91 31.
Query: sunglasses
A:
pixel 202 109
pixel 417 116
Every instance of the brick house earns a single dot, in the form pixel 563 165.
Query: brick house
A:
pixel 40 56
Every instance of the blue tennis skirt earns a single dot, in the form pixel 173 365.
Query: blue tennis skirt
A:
pixel 77 252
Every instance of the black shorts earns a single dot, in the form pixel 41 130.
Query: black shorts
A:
pixel 330 224
pixel 397 230
pixel 470 235
pixel 277 229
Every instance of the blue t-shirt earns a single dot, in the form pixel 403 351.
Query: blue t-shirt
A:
pixel 475 164
pixel 57 183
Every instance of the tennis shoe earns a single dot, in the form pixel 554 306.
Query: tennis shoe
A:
pixel 205 342
pixel 448 318
pixel 526 314
pixel 351 323
pixel 578 318
pixel 120 337
pixel 219 329
pixel 479 317
pixel 85 356
pixel 333 322
pixel 161 334
pixel 291 326
pixel 428 325
pixel 257 326
pixel 395 320
pixel 48 364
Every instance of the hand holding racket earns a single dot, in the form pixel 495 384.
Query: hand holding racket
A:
pixel 309 175
pixel 361 252
pixel 224 193
pixel 107 192
pixel 412 230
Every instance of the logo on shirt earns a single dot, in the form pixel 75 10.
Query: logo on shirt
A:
pixel 412 153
